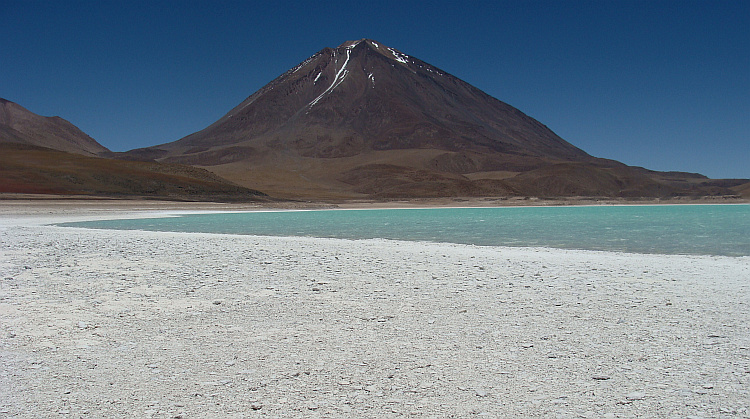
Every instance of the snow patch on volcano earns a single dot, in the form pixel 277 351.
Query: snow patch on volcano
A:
pixel 340 76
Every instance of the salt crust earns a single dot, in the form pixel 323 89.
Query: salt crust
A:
pixel 141 324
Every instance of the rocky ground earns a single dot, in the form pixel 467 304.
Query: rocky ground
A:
pixel 144 324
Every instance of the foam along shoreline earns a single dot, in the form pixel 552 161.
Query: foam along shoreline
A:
pixel 134 323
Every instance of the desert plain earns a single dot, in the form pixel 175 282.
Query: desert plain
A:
pixel 99 323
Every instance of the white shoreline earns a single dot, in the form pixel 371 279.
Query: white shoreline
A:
pixel 111 323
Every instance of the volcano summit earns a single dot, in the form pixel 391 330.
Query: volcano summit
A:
pixel 364 120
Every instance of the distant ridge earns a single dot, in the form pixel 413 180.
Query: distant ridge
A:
pixel 364 120
pixel 41 155
pixel 19 125
pixel 28 169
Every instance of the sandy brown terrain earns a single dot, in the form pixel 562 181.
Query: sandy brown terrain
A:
pixel 38 170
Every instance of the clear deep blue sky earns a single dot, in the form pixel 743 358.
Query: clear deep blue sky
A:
pixel 660 84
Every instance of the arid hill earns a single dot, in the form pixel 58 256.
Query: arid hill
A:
pixel 21 126
pixel 36 170
pixel 364 120
pixel 43 155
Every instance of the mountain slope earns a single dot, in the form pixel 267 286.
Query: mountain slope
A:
pixel 365 96
pixel 19 125
pixel 366 120
pixel 42 155
pixel 31 169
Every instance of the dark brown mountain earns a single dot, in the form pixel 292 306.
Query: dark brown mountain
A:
pixel 366 120
pixel 19 125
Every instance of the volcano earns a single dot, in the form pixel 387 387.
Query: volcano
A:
pixel 364 120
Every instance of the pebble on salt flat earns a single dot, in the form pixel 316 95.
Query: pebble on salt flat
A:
pixel 636 395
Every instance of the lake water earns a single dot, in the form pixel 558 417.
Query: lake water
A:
pixel 669 229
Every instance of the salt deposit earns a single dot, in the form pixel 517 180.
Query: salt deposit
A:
pixel 146 324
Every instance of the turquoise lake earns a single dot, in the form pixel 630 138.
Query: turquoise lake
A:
pixel 669 229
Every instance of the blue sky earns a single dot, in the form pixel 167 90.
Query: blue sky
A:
pixel 660 84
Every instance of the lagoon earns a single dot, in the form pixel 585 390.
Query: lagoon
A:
pixel 668 229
